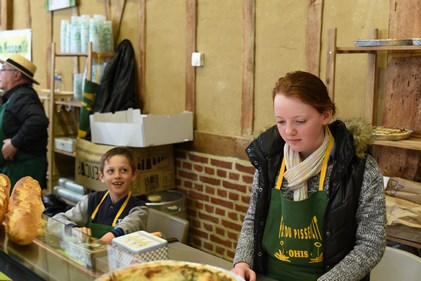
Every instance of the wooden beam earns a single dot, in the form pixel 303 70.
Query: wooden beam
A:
pixel 27 9
pixel 314 31
pixel 75 60
pixel 331 62
pixel 48 50
pixel 6 14
pixel 191 11
pixel 141 56
pixel 371 96
pixel 117 17
pixel 107 9
pixel 247 93
pixel 217 145
pixel 48 69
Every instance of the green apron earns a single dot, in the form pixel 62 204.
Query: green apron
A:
pixel 87 108
pixel 292 239
pixel 98 230
pixel 23 164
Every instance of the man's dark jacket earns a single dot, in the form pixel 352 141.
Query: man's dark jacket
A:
pixel 24 120
pixel 118 87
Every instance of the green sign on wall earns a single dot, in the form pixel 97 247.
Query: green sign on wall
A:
pixel 16 42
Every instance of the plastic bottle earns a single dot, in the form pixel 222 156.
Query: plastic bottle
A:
pixel 57 81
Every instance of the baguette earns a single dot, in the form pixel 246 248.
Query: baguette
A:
pixel 4 195
pixel 24 216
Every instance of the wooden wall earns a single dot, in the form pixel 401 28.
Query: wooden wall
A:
pixel 403 92
pixel 231 93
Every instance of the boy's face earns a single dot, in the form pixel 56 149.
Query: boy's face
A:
pixel 118 175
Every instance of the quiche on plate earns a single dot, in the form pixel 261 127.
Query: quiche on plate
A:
pixel 384 133
pixel 171 271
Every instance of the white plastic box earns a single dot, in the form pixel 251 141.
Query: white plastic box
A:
pixel 131 128
pixel 138 247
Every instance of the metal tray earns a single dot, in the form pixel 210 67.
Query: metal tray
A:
pixel 382 42
pixel 416 41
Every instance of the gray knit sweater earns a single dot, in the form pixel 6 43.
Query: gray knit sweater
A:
pixel 370 217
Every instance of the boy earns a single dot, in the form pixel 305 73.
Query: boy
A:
pixel 115 212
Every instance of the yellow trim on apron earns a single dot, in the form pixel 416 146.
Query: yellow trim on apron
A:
pixel 324 166
pixel 119 211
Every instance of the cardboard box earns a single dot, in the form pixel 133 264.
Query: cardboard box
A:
pixel 155 166
pixel 133 129
pixel 65 143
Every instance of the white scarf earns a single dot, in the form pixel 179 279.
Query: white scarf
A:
pixel 298 172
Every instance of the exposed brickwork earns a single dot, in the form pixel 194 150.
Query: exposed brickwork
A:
pixel 222 164
pixel 247 179
pixel 198 168
pixel 187 165
pixel 217 197
pixel 221 173
pixel 245 168
pixel 209 171
pixel 234 176
pixel 197 158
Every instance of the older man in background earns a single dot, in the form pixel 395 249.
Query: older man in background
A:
pixel 23 123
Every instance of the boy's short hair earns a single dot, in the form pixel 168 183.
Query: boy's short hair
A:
pixel 119 150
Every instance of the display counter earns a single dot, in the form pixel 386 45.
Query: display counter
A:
pixel 63 254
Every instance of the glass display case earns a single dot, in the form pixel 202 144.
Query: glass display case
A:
pixel 66 254
pixel 58 253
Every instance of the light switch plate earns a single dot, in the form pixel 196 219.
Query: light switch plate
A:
pixel 197 59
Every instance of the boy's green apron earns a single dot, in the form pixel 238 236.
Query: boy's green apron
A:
pixel 23 164
pixel 98 230
pixel 293 233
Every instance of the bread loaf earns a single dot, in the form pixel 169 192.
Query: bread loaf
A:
pixel 24 215
pixel 4 195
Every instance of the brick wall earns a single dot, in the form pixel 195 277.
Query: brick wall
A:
pixel 217 197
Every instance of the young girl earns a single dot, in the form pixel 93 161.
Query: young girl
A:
pixel 317 209
pixel 115 212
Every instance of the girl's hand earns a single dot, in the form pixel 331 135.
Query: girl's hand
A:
pixel 243 270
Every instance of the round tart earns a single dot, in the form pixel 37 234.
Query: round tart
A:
pixel 384 133
pixel 170 271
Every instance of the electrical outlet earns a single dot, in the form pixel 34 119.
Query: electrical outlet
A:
pixel 197 59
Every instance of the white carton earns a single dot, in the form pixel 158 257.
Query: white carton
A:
pixel 131 128
pixel 67 144
pixel 155 166
pixel 137 247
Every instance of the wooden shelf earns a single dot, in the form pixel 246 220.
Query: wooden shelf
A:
pixel 64 103
pixel 406 49
pixel 94 54
pixel 71 55
pixel 74 103
pixel 413 143
pixel 71 154
pixel 399 234
pixel 103 55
